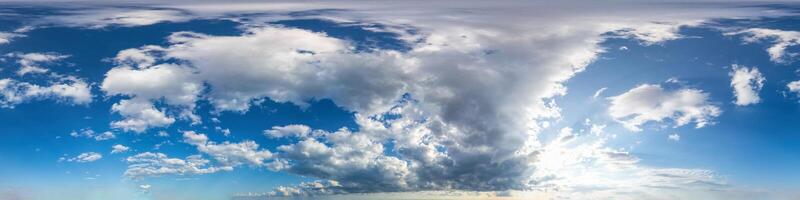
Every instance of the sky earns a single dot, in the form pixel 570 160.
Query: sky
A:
pixel 400 100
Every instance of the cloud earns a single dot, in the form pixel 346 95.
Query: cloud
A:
pixel 294 130
pixel 63 88
pixel 6 37
pixel 139 116
pixel 466 112
pixel 655 33
pixel 355 160
pixel 118 148
pixel 674 137
pixel 651 103
pixel 145 188
pixel 124 16
pixel 746 83
pixel 86 157
pixel 599 92
pixel 560 164
pixel 67 89
pixel 781 41
pixel 149 164
pixel 89 133
pixel 306 189
pixel 31 63
pixel 794 87
pixel 137 78
pixel 226 153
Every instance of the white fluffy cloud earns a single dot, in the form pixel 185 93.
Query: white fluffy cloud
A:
pixel 137 78
pixel 158 164
pixel 652 103
pixel 781 41
pixel 294 130
pixel 139 116
pixel 69 89
pixel 226 153
pixel 118 148
pixel 86 157
pixel 794 87
pixel 63 88
pixel 746 83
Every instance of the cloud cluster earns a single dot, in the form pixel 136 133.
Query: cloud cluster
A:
pixel 652 103
pixel 226 156
pixel 62 88
pixel 145 83
pixel 781 41
pixel 293 65
pixel 68 89
pixel 158 164
pixel 576 163
pixel 468 98
pixel 31 63
pixel 226 153
pixel 746 83
pixel 89 133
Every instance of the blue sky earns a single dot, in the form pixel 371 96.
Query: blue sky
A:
pixel 310 100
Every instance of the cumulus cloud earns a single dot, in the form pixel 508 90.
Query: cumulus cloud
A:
pixel 560 164
pixel 652 103
pixel 149 164
pixel 86 157
pixel 143 83
pixel 68 89
pixel 226 153
pixel 356 160
pixel 781 41
pixel 63 88
pixel 294 130
pixel 139 116
pixel 746 83
pixel 118 148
